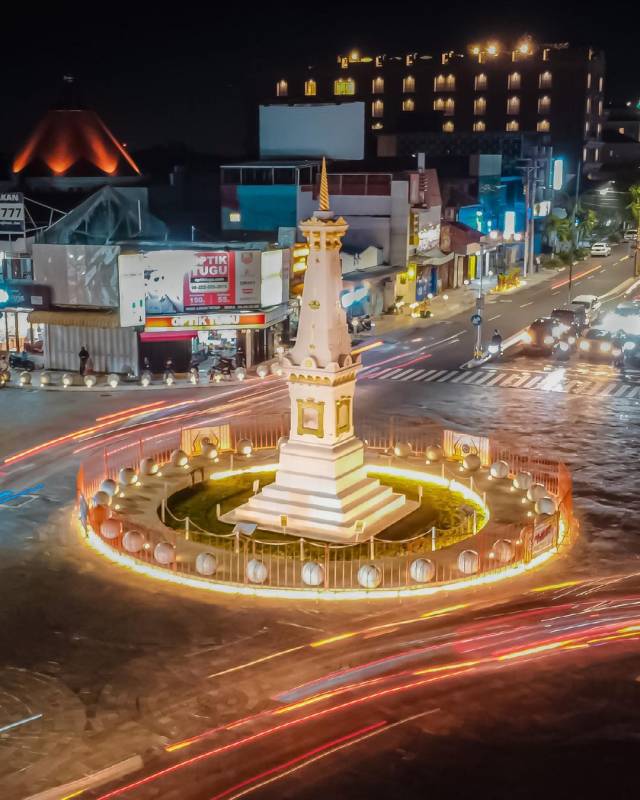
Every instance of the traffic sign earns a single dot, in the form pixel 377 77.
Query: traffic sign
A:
pixel 476 319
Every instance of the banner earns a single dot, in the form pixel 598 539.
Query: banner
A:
pixel 11 212
pixel 211 282
pixel 458 445
pixel 543 535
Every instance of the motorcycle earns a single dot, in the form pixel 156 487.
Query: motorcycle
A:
pixel 20 361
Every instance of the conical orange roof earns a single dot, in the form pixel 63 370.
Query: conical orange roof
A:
pixel 73 143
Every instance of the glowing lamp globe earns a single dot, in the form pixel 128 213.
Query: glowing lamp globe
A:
pixel 145 378
pixel 133 541
pixel 169 379
pixel 312 573
pixel 127 476
pixel 194 375
pixel 257 571
pixel 110 529
pixel 113 380
pixel 101 499
pixel 206 564
pixel 109 486
pixel 523 481
pixel 281 441
pixel 209 451
pixel 45 379
pixel 369 576
pixel 148 466
pixel 262 370
pixel 25 378
pixel 422 570
pixel 179 458
pixel 402 449
pixel 67 379
pixel 434 453
pixel 468 562
pixel 244 447
pixel 164 553
pixel 240 373
pixel 503 550
pixel 90 381
pixel 499 470
pixel 545 505
pixel 276 369
pixel 536 492
pixel 471 462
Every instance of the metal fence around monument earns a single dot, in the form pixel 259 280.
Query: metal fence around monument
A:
pixel 340 564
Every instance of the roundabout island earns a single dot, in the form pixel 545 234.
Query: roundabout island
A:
pixel 301 507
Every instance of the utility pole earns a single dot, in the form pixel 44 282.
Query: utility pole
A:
pixel 574 232
pixel 479 309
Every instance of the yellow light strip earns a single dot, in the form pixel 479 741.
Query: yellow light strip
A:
pixel 337 638
pixel 552 586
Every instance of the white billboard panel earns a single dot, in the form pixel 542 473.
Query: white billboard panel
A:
pixel 271 278
pixel 131 289
pixel 79 275
pixel 334 130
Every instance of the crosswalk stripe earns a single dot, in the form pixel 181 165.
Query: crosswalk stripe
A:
pixel 435 375
pixel 419 374
pixel 620 390
pixel 633 392
pixel 519 380
pixel 447 376
pixel 485 376
pixel 402 374
pixel 495 380
pixel 606 391
pixel 534 381
pixel 387 373
pixel 459 377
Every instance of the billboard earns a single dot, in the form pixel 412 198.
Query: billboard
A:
pixel 79 275
pixel 334 130
pixel 11 212
pixel 131 289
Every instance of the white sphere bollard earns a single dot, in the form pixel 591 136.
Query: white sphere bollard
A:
pixel 240 373
pixel 281 441
pixel 468 562
pixel 127 476
pixel 169 379
pixel 277 369
pixel 422 570
pixel 194 375
pixel 209 451
pixel 25 378
pixel 471 462
pixel 109 486
pixel 111 529
pixel 145 378
pixel 312 573
pixel 434 453
pixel 148 466
pixel 499 470
pixel 402 449
pixel 369 576
pixel 90 381
pixel 206 564
pixel 164 553
pixel 113 380
pixel 257 571
pixel 45 379
pixel 536 492
pixel 503 550
pixel 101 499
pixel 262 370
pixel 133 541
pixel 179 458
pixel 523 480
pixel 244 447
pixel 545 505
pixel 67 379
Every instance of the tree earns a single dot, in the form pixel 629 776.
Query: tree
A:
pixel 587 221
pixel 634 207
pixel 558 229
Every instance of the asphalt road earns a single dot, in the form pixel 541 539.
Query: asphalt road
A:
pixel 117 665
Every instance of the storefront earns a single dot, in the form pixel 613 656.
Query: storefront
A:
pixel 245 337
pixel 17 300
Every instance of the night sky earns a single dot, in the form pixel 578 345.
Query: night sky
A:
pixel 157 78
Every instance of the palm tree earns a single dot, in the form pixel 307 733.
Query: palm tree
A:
pixel 634 207
pixel 558 229
pixel 587 221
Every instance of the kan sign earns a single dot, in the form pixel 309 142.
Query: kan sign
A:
pixel 11 212
pixel 211 282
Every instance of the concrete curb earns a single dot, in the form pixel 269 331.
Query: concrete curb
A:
pixel 115 771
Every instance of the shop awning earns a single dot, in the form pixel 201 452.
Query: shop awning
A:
pixel 76 319
pixel 433 257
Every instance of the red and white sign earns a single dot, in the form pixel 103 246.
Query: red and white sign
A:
pixel 543 535
pixel 211 282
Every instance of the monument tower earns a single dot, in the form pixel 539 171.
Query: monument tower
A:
pixel 321 484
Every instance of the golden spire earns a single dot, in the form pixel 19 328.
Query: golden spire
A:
pixel 324 188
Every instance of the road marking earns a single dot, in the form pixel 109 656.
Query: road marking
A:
pixel 400 374
pixel 436 375
pixel 524 305
pixel 620 390
pixel 459 377
pixel 419 374
pixel 558 292
pixel 534 381
pixel 24 721
pixel 448 375
pixel 497 316
pixel 633 393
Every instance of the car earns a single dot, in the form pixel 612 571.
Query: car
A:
pixel 631 351
pixel 630 236
pixel 545 337
pixel 600 249
pixel 21 361
pixel 602 346
pixel 592 304
pixel 570 319
pixel 625 317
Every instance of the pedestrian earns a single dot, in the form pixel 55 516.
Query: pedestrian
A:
pixel 83 355
pixel 496 341
pixel 88 366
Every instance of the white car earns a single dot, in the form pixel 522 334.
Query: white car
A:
pixel 600 249
pixel 592 304
pixel 630 236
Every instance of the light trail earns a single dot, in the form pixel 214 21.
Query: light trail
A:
pixel 575 278
pixel 141 408
pixel 367 347
pixel 20 722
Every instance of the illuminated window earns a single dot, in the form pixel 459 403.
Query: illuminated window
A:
pixel 513 105
pixel 438 104
pixel 282 88
pixel 584 153
pixel 409 61
pixel 310 88
pixel 377 126
pixel 377 108
pixel 479 126
pixel 514 81
pixel 439 83
pixel 620 130
pixel 544 104
pixel 600 84
pixel 480 105
pixel 449 107
pixel 448 127
pixel 586 127
pixel 600 108
pixel 545 54
pixel 451 83
pixel 377 85
pixel 344 86
pixel 379 60
pixel 234 216
pixel 480 82
pixel 512 125
pixel 544 81
pixel 543 126
pixel 599 129
pixel 589 81
pixel 409 84
pixel 408 104
pixel 597 154
pixel 588 105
